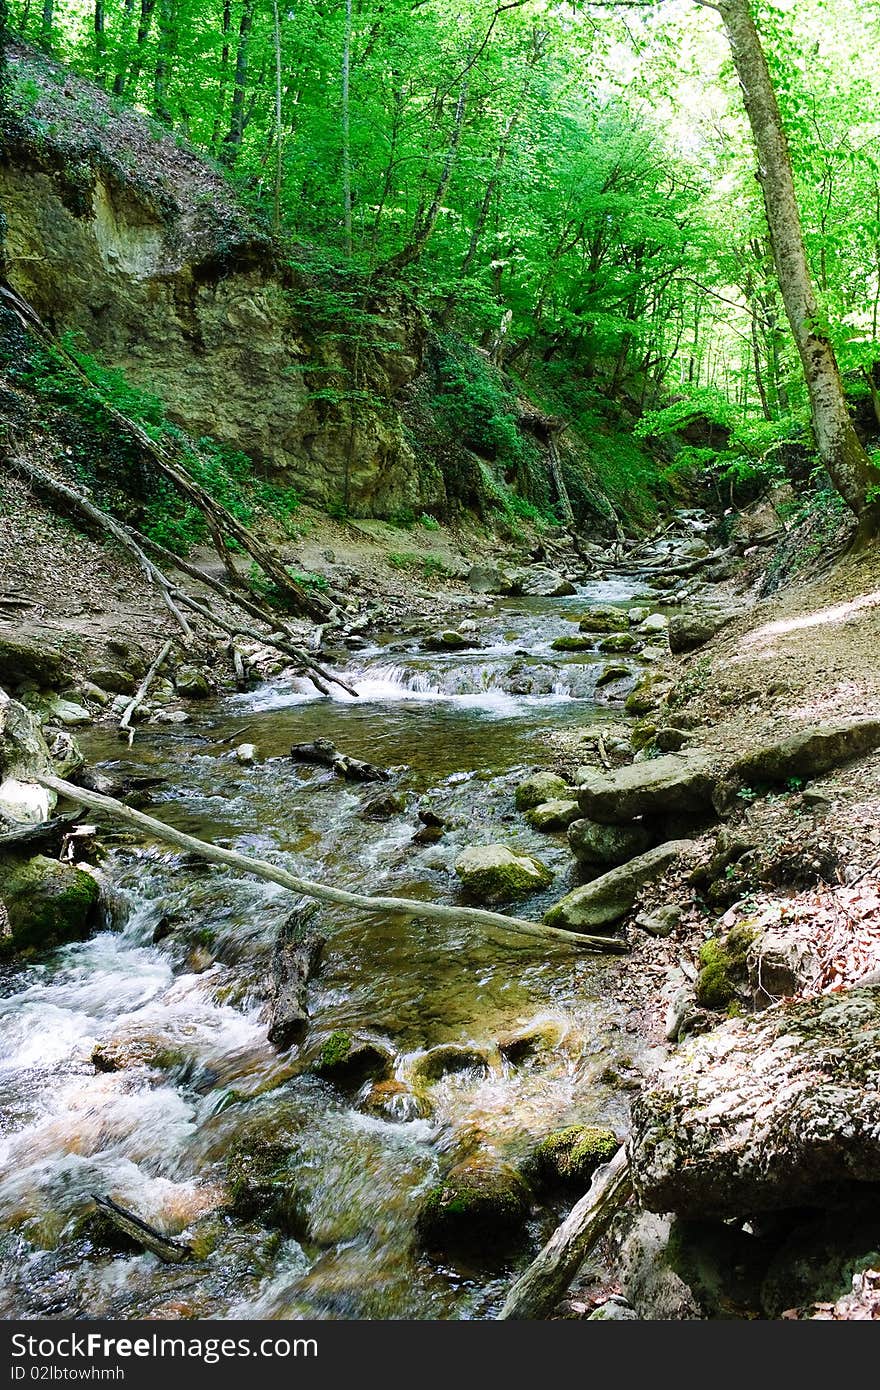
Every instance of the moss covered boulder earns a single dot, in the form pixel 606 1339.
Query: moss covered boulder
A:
pixel 47 903
pixel 571 1156
pixel 598 846
pixel 582 642
pixel 494 874
pixel 480 1200
pixel 349 1061
pixel 539 788
pixel 447 1059
pixel 618 642
pixel 553 815
pixel 604 620
pixel 724 967
pixel 261 1185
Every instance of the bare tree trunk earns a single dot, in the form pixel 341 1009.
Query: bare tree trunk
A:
pixel 276 197
pixel 224 70
pixel 100 42
pixel 838 445
pixel 233 137
pixel 346 130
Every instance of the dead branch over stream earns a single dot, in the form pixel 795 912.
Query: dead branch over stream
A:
pixel 261 868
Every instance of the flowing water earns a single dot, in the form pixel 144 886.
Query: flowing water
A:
pixel 179 984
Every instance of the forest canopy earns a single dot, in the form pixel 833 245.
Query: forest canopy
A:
pixel 572 185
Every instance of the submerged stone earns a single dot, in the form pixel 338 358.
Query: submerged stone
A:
pixel 480 1200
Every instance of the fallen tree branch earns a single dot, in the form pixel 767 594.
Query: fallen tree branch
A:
pixel 138 698
pixel 538 1290
pixel 168 1250
pixel 261 868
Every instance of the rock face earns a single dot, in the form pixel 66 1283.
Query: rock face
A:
pixel 47 903
pixel 169 279
pixel 597 906
pixel 23 752
pixel 494 874
pixel 776 1111
pixel 660 787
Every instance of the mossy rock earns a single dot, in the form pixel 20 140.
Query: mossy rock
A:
pixel 480 1200
pixel 553 815
pixel 493 874
pixel 540 788
pixel 261 1186
pixel 34 657
pixel 48 903
pixel 648 695
pixel 192 683
pixel 571 1156
pixel 604 620
pixel 448 1059
pixel 618 642
pixel 349 1061
pixel 584 643
pixel 392 1100
pixel 723 968
pixel 612 673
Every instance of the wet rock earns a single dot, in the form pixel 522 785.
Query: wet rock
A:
pixel 480 1200
pixel 47 903
pixel 530 1042
pixel 553 815
pixel 447 1059
pixel 384 807
pixel 617 642
pixel 349 1061
pixel 660 787
pixel 34 657
pixel 688 631
pixel 392 1100
pixel 607 846
pixel 192 683
pixel 611 674
pixel 495 874
pixel 604 620
pixel 804 755
pixel 662 922
pixel 599 905
pixel 571 1156
pixel 261 1185
pixel 124 1053
pixel 449 641
pixel 582 643
pixel 295 959
pixel 770 1112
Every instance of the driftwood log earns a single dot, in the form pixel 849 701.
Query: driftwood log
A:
pixel 140 694
pixel 170 1251
pixel 261 868
pixel 295 959
pixel 326 754
pixel 538 1290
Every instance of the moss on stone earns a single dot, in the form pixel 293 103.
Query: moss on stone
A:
pixel 479 1199
pixel 334 1051
pixel 571 1156
pixel 261 1185
pixel 48 903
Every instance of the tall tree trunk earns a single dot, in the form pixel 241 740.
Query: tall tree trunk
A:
pixel 168 30
pixel 233 137
pixel 279 153
pixel 346 130
pixel 839 448
pixel 46 21
pixel 100 42
pixel 222 76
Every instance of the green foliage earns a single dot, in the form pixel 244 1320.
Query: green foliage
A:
pixel 475 406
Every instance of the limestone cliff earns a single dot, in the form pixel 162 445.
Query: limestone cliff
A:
pixel 119 232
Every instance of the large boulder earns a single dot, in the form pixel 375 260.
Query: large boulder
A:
pixel 47 903
pixel 599 905
pixel 553 815
pixel 659 787
pixel 596 845
pixel 495 874
pixel 480 1200
pixel 775 1111
pixel 35 657
pixel 23 754
pixel 687 631
pixel 538 788
pixel 806 754
pixel 540 582
pixel 604 620
pixel 570 1156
